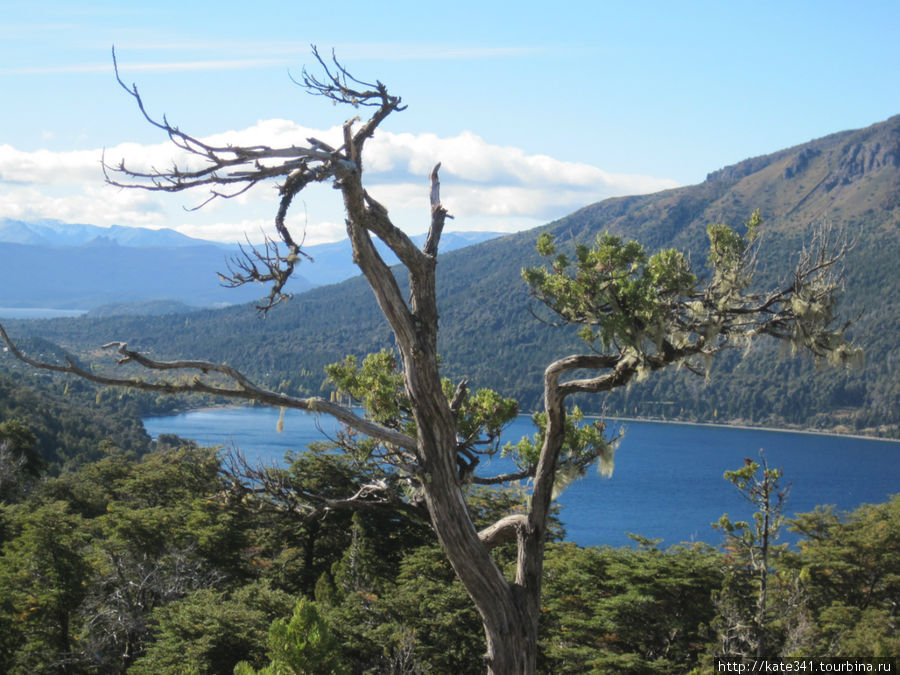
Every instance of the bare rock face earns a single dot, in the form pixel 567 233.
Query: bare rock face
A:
pixel 801 163
pixel 863 157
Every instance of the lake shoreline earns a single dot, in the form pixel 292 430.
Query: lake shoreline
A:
pixel 651 420
pixel 750 427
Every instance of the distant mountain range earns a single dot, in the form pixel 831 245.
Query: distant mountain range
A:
pixel 850 179
pixel 47 263
pixel 48 232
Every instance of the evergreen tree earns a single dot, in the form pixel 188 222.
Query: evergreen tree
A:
pixel 751 552
pixel 20 463
pixel 848 568
pixel 44 575
pixel 303 645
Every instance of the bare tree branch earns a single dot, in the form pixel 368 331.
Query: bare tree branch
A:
pixel 504 478
pixel 438 214
pixel 504 530
pixel 239 168
pixel 275 484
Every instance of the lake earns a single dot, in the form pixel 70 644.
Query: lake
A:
pixel 667 482
pixel 38 312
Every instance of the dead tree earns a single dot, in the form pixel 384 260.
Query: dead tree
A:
pixel 638 313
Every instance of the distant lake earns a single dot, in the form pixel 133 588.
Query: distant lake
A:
pixel 667 482
pixel 37 312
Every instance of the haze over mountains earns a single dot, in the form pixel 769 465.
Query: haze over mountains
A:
pixel 47 263
pixel 850 180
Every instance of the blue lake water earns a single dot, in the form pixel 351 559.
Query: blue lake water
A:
pixel 37 312
pixel 667 482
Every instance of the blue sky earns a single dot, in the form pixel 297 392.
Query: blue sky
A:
pixel 534 108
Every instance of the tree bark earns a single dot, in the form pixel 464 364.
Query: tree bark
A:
pixel 508 616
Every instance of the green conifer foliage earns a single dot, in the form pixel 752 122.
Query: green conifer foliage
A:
pixel 301 645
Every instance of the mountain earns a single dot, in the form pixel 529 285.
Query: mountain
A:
pixel 80 266
pixel 849 179
pixel 48 232
pixel 48 263
pixel 102 271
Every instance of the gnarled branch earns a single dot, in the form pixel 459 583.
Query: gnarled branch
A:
pixel 380 493
pixel 504 530
pixel 242 387
pixel 228 171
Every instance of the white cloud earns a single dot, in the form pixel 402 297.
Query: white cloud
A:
pixel 484 186
pixel 47 167
pixel 469 157
pixel 97 205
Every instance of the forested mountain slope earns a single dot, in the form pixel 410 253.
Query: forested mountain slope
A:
pixel 850 180
pixel 67 422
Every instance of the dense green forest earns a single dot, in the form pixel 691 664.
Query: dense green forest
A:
pixel 67 421
pixel 160 563
pixel 118 554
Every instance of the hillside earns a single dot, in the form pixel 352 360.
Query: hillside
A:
pixel 849 179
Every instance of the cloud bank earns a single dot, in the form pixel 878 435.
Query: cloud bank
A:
pixel 485 186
